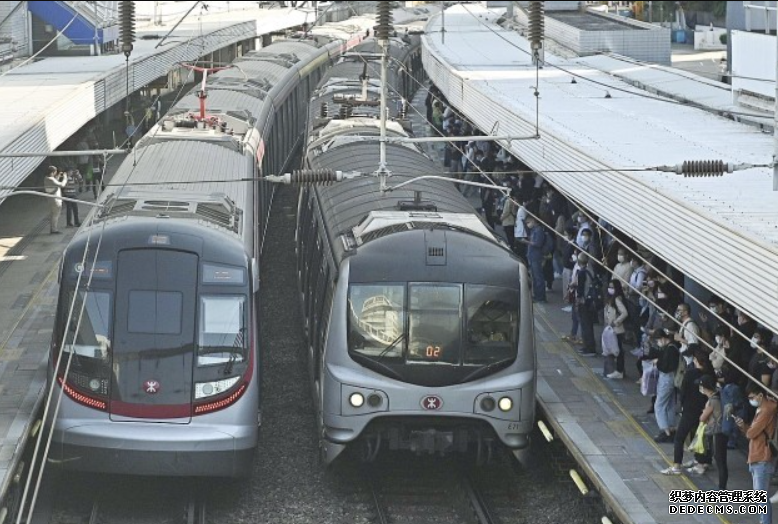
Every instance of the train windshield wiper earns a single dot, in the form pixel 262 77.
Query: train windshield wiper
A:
pixel 482 371
pixel 390 346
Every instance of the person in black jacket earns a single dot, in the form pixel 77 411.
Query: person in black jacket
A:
pixel 665 355
pixel 692 404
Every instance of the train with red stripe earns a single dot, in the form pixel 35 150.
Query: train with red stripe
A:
pixel 155 366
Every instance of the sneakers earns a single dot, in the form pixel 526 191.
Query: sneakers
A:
pixel 699 469
pixel 663 437
pixel 689 464
pixel 615 375
pixel 567 309
pixel 672 470
pixel 585 352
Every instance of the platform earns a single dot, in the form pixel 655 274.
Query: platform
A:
pixel 604 422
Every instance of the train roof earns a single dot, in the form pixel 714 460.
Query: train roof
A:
pixel 172 166
pixel 347 205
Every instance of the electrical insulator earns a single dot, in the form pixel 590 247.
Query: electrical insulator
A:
pixel 313 176
pixel 384 27
pixel 535 15
pixel 345 111
pixel 324 111
pixel 404 110
pixel 127 26
pixel 705 168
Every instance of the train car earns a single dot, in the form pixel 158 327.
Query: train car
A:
pixel 418 317
pixel 156 323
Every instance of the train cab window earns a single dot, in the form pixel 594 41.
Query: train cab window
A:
pixel 376 318
pixel 93 337
pixel 434 323
pixel 155 312
pixel 492 324
pixel 222 334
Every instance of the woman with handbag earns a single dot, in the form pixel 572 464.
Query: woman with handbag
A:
pixel 692 405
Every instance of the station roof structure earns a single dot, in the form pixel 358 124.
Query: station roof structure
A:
pixel 598 132
pixel 47 101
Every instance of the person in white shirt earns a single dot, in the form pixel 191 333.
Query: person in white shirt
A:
pixel 53 184
pixel 623 269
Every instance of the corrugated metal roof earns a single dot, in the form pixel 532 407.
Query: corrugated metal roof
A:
pixel 175 162
pixel 722 232
pixel 45 102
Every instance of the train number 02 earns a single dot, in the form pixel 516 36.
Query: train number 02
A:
pixel 433 351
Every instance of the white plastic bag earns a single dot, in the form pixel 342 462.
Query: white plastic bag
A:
pixel 610 344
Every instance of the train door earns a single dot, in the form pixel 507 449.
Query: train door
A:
pixel 154 335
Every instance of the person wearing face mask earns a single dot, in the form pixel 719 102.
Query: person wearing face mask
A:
pixel 758 433
pixel 615 315
pixel 535 244
pixel 757 366
pixel 583 225
pixel 587 311
pixel 571 293
pixel 689 333
pixel 636 279
pixel 692 404
pixel 712 416
pixel 665 355
pixel 623 269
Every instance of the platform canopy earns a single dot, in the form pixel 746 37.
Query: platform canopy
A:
pixel 721 232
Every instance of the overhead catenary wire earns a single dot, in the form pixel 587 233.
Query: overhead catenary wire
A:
pixel 553 230
pixel 642 94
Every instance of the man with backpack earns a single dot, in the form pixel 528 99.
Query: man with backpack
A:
pixel 537 240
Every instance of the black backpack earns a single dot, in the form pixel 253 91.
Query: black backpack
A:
pixel 548 243
pixel 593 298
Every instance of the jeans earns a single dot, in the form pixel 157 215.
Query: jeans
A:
pixel 538 283
pixel 761 473
pixel 664 406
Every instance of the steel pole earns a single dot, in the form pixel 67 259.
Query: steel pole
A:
pixel 775 114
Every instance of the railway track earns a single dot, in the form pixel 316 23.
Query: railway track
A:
pixel 115 500
pixel 432 490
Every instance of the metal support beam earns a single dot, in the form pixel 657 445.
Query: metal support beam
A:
pixel 27 154
pixel 46 195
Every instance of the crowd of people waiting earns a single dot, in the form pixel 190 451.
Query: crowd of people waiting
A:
pixel 699 361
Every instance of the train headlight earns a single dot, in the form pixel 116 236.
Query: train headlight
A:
pixel 488 404
pixel 505 404
pixel 374 400
pixel 356 400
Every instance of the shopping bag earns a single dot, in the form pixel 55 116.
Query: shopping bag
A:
pixel 649 379
pixel 610 343
pixel 698 443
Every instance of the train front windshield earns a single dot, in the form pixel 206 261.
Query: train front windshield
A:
pixel 404 327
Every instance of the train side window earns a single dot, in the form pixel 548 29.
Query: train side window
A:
pixel 155 312
pixel 222 334
pixel 492 324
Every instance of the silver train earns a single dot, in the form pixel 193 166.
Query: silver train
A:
pixel 161 376
pixel 419 319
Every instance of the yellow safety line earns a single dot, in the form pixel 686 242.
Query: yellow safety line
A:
pixel 33 300
pixel 623 410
